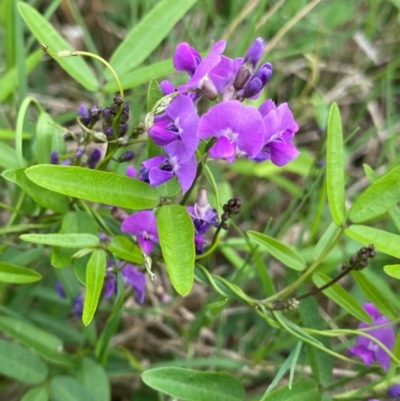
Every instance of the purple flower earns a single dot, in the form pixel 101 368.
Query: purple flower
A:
pixel 83 113
pixel 200 79
pixel 167 87
pixel 94 158
pixel 199 244
pixel 179 122
pixel 160 169
pixel 368 350
pixel 54 157
pixel 239 130
pixel 280 128
pixel 254 86
pixel 202 214
pixel 144 227
pixel 131 171
pixel 186 58
pixel 77 305
pixel 394 391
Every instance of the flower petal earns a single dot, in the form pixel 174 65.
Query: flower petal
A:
pixel 136 279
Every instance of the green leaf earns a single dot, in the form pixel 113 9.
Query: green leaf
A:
pixel 95 186
pixel 124 249
pixel 191 385
pixel 300 391
pixel 93 376
pixel 378 198
pixel 325 242
pixel 176 233
pixel 148 34
pixel 392 271
pixel 47 345
pixel 8 156
pixel 43 197
pixel 21 363
pixel 66 388
pixel 141 76
pixel 284 253
pixel 36 394
pixel 48 134
pixel 321 362
pixel 382 240
pixel 9 81
pixel 44 32
pixel 335 166
pixel 375 295
pixel 63 240
pixel 341 297
pixel 154 94
pixel 10 134
pixel 73 222
pixel 95 274
pixel 10 273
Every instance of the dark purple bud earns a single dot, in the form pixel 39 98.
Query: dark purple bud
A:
pixel 122 129
pixel 80 152
pixel 107 116
pixel 94 158
pixel 144 174
pixel 109 132
pixel 77 305
pixel 252 88
pixel 200 244
pixel 83 111
pixel 54 157
pixel 125 114
pixel 118 100
pixel 60 289
pixel 254 53
pixel 264 73
pixel 242 77
pixel 95 112
pixel 209 90
pixel 125 157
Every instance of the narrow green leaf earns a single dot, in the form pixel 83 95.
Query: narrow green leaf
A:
pixel 73 223
pixel 392 271
pixel 284 253
pixel 191 385
pixel 141 76
pixel 378 198
pixel 93 376
pixel 48 134
pixel 8 156
pixel 21 363
pixel 341 297
pixel 124 249
pixel 335 166
pixel 10 273
pixel 9 81
pixel 176 232
pixel 63 240
pixel 383 241
pixel 148 34
pixel 36 394
pixel 95 274
pixel 375 295
pixel 45 33
pixel 154 94
pixel 10 134
pixel 43 197
pixel 66 388
pixel 325 242
pixel 300 391
pixel 321 362
pixel 95 186
pixel 47 345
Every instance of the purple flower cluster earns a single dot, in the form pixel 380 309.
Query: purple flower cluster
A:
pixel 231 128
pixel 368 350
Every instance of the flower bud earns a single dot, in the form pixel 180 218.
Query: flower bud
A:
pixel 252 88
pixel 122 129
pixel 125 157
pixel 94 158
pixel 107 115
pixel 254 53
pixel 54 157
pixel 209 90
pixel 242 77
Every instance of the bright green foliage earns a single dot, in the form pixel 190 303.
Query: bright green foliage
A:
pixel 191 385
pixel 378 198
pixel 340 296
pixel 66 388
pixel 176 232
pixel 95 274
pixel 392 270
pixel 124 249
pixel 63 240
pixel 44 197
pixel 326 241
pixel 21 363
pixel 16 274
pixel 300 391
pixel 284 253
pixel 36 394
pixel 335 166
pixel 46 34
pixel 93 376
pixel 95 186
